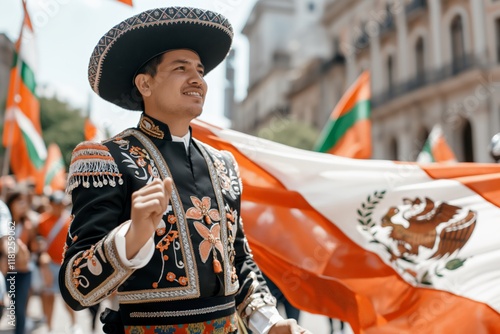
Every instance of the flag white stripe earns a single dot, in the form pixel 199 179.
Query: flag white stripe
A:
pixel 29 130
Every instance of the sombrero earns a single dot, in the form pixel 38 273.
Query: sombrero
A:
pixel 130 44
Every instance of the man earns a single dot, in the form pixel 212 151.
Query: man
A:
pixel 155 212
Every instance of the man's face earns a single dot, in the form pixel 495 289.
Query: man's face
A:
pixel 178 89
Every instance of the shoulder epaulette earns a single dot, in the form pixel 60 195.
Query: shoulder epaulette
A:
pixel 92 164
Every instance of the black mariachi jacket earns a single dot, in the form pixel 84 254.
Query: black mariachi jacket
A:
pixel 202 267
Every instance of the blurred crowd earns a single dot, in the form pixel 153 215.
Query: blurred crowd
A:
pixel 33 229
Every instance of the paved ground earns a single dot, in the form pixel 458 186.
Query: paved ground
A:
pixel 62 324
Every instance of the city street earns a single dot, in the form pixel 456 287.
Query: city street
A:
pixel 315 323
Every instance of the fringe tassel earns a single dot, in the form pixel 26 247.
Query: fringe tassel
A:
pixel 92 164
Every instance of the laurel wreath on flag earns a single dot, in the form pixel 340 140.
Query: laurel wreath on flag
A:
pixel 366 221
pixel 366 210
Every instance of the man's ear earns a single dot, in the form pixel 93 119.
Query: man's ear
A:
pixel 142 83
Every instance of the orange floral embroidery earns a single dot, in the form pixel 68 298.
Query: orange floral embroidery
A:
pixel 170 277
pixel 183 280
pixel 160 231
pixel 172 219
pixel 211 240
pixel 167 240
pixel 201 210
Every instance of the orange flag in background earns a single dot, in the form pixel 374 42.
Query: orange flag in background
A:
pixel 22 134
pixel 436 149
pixel 348 131
pixel 54 170
pixel 90 131
pixel 127 2
pixel 388 247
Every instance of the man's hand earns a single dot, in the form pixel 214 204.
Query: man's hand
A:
pixel 148 206
pixel 288 326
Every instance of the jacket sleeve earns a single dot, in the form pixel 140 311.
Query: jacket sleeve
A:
pixel 91 268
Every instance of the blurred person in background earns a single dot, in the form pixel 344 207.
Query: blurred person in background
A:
pixel 53 227
pixel 5 221
pixel 17 201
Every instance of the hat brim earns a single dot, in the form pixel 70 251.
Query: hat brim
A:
pixel 130 44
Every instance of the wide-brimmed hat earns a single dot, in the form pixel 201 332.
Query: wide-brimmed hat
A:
pixel 130 44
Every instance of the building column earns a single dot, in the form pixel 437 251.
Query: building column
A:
pixel 436 33
pixel 350 52
pixel 479 29
pixel 377 73
pixel 402 40
pixel 480 135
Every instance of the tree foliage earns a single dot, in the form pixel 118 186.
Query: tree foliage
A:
pixel 288 131
pixel 61 124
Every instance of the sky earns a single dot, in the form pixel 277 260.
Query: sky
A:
pixel 68 30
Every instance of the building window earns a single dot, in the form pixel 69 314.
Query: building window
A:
pixel 467 142
pixel 457 44
pixel 390 74
pixel 420 59
pixel 497 37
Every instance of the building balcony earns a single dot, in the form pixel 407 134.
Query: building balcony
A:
pixel 388 24
pixel 415 6
pixel 424 78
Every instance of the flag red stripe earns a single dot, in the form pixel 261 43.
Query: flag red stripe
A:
pixel 480 178
pixel 359 91
pixel 356 142
pixel 127 2
pixel 442 152
pixel 28 103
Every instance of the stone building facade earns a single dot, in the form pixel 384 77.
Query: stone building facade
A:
pixel 6 58
pixel 431 61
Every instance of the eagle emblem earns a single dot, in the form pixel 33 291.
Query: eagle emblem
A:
pixel 422 237
pixel 441 228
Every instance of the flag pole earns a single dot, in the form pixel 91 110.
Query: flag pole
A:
pixel 16 100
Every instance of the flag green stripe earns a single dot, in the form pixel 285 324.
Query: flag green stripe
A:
pixel 336 129
pixel 35 158
pixel 53 170
pixel 427 148
pixel 28 78
pixel 27 75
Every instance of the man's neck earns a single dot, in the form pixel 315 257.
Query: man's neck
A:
pixel 178 127
pixel 178 130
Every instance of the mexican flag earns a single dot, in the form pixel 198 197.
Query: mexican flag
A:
pixel 54 169
pixel 389 247
pixel 22 132
pixel 90 130
pixel 436 149
pixel 348 131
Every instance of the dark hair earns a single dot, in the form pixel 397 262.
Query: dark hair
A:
pixel 15 194
pixel 151 68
